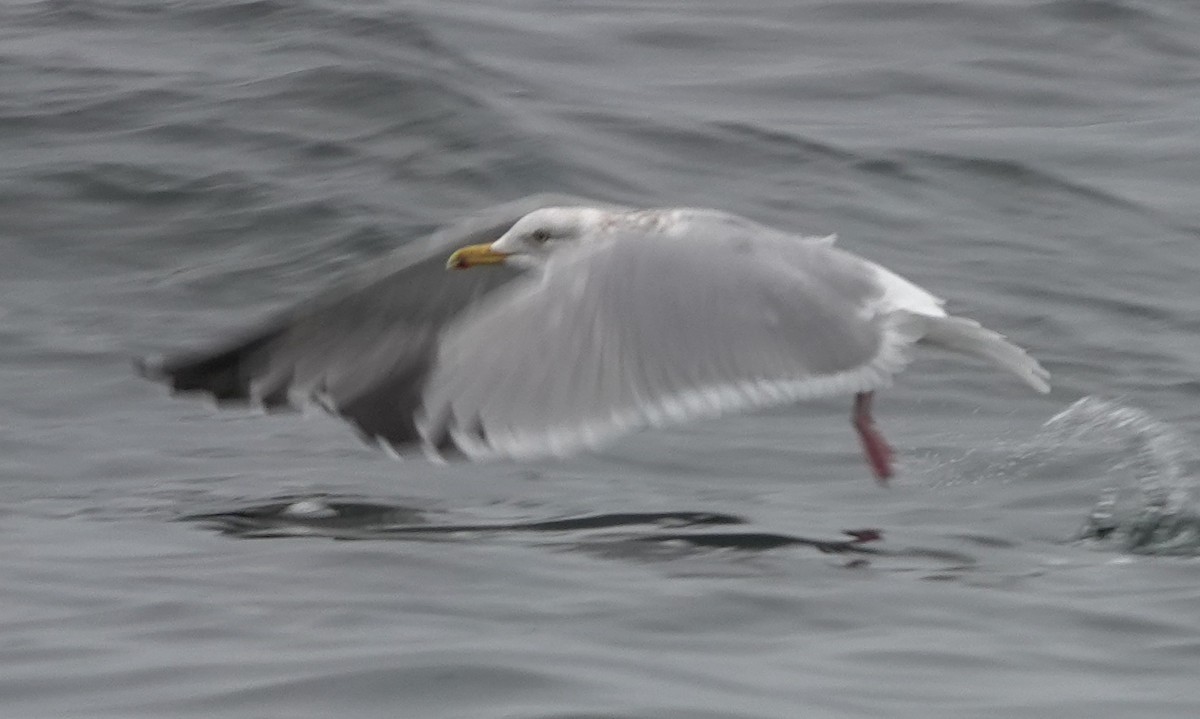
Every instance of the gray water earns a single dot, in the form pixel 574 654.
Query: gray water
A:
pixel 171 172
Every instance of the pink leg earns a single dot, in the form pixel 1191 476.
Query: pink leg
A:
pixel 879 454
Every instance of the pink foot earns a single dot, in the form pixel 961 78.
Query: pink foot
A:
pixel 879 454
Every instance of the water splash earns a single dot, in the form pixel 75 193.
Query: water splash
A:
pixel 1151 503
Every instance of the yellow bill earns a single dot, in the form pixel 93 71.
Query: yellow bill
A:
pixel 473 255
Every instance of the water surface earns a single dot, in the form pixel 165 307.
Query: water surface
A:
pixel 175 171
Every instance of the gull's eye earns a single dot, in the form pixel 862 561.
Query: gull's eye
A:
pixel 540 235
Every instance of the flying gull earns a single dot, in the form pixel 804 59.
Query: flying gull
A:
pixel 589 322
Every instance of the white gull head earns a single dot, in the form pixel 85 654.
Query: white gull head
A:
pixel 542 231
pixel 532 239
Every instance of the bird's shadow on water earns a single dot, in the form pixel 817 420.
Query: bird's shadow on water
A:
pixel 646 536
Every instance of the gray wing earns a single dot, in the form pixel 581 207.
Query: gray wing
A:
pixel 364 347
pixel 648 330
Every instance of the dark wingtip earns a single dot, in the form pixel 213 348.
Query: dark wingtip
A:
pixel 224 374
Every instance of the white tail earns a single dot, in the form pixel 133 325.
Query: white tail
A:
pixel 969 337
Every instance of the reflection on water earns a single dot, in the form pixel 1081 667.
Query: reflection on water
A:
pixel 337 518
pixel 638 536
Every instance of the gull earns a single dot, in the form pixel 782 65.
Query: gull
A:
pixel 578 323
